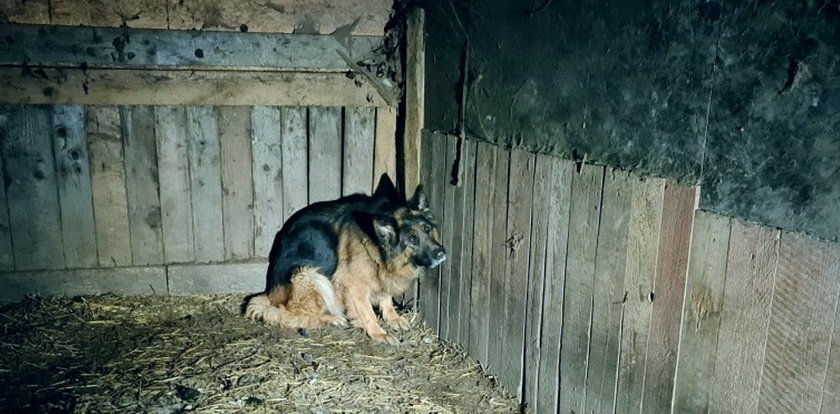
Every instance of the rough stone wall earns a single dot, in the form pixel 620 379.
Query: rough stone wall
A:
pixel 740 97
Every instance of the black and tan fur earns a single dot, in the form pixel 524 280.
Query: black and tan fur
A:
pixel 335 260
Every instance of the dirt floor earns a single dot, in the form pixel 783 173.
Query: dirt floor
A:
pixel 197 354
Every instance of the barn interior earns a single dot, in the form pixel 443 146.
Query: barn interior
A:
pixel 639 200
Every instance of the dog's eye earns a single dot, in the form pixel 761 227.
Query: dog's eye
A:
pixel 413 239
pixel 427 228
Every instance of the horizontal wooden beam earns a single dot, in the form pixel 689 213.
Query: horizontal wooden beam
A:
pixel 177 87
pixel 213 279
pixel 100 47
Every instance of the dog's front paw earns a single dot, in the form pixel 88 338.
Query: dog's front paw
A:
pixel 398 323
pixel 338 321
pixel 385 337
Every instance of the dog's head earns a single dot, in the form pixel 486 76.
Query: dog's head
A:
pixel 411 230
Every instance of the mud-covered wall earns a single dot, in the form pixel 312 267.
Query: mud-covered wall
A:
pixel 739 96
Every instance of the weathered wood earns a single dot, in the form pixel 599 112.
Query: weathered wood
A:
pixel 28 11
pixel 609 293
pixel 142 186
pixel 214 279
pixel 359 136
pixel 584 218
pixel 7 258
pixel 498 262
pixel 175 87
pixel 237 182
pixel 431 283
pixel 702 313
pixel 467 200
pixel 745 317
pixel 415 90
pixel 114 13
pixel 295 159
pixel 517 244
pixel 75 195
pixel 30 182
pixel 643 238
pixel 485 193
pixel 146 280
pixel 103 47
pixel 324 154
pixel 669 289
pixel 206 183
pixel 830 400
pixel 110 202
pixel 557 237
pixel 268 177
pixel 447 225
pixel 385 154
pixel 174 172
pixel 804 301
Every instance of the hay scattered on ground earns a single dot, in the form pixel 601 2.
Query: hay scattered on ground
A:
pixel 197 354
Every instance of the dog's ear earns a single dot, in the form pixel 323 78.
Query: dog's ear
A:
pixel 386 189
pixel 419 201
pixel 385 229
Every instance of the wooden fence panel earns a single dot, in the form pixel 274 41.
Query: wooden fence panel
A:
pixel 498 261
pixel 174 178
pixel 237 181
pixel 206 183
pixel 293 123
pixel 268 177
pixel 448 233
pixel 466 198
pixel 357 162
pixel 324 154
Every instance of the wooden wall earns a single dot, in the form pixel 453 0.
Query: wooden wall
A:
pixel 161 193
pixel 585 289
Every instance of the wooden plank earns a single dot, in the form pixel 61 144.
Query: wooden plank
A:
pixel 485 194
pixel 359 136
pixel 142 185
pixel 115 13
pixel 206 183
pixel 30 181
pixel 585 212
pixel 7 258
pixel 268 177
pixel 215 279
pixel 557 237
pixel 359 17
pixel 176 87
pixel 702 313
pixel 75 195
pixel 609 293
pixel 237 182
pixel 517 244
pixel 415 90
pixel 669 289
pixel 146 280
pixel 802 319
pixel 29 11
pixel 466 198
pixel 745 317
pixel 110 202
pixel 174 171
pixel 385 153
pixel 448 231
pixel 104 47
pixel 295 159
pixel 830 401
pixel 498 261
pixel 325 153
pixel 430 284
pixel 643 244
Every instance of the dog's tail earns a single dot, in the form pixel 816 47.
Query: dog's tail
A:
pixel 292 307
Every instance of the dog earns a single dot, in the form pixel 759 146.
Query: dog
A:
pixel 333 260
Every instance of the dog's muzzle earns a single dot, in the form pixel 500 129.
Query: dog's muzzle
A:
pixel 438 257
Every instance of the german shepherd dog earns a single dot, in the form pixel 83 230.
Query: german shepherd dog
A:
pixel 347 255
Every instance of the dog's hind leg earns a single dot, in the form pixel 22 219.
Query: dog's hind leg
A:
pixel 311 303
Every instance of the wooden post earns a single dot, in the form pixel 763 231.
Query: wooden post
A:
pixel 414 98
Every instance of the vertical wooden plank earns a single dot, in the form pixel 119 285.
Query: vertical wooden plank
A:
pixel 174 173
pixel 448 226
pixel 466 198
pixel 557 237
pixel 142 187
pixel 237 183
pixel 669 289
pixel 7 258
pixel 324 154
pixel 110 203
pixel 485 194
pixel 802 319
pixel 498 262
pixel 540 211
pixel 745 317
pixel 385 154
pixel 206 183
pixel 295 159
pixel 585 213
pixel 75 195
pixel 609 293
pixel 830 400
pixel 701 313
pixel 359 135
pixel 642 246
pixel 517 249
pixel 415 92
pixel 430 284
pixel 30 182
pixel 268 177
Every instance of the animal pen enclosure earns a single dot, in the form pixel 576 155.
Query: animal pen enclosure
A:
pixel 152 159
